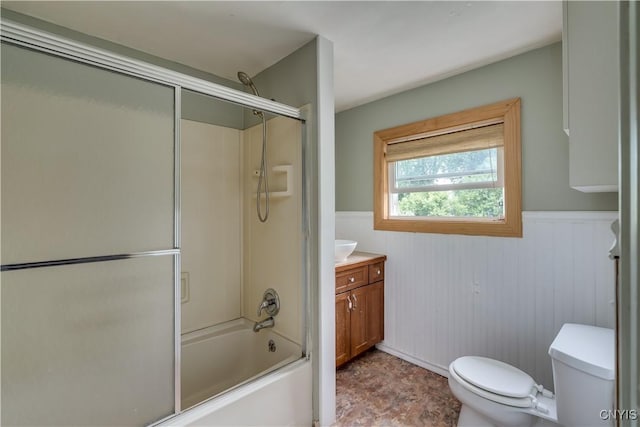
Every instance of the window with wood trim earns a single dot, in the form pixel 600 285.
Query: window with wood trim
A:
pixel 457 174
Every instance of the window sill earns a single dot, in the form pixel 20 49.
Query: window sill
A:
pixel 471 227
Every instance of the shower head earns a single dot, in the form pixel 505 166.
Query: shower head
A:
pixel 246 80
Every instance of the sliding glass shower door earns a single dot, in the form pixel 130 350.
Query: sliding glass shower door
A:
pixel 89 247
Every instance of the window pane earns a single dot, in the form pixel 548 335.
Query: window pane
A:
pixel 480 203
pixel 445 170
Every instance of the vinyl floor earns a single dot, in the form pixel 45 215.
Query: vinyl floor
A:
pixel 378 389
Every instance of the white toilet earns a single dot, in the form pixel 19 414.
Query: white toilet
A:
pixel 495 394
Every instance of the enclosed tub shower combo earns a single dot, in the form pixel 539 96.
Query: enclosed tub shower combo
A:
pixel 149 263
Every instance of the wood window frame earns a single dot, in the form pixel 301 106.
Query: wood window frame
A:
pixel 506 112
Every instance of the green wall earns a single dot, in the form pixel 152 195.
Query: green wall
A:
pixel 535 77
pixel 291 81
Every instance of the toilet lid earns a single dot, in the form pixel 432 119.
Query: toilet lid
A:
pixel 494 376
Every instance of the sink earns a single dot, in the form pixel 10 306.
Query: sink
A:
pixel 343 249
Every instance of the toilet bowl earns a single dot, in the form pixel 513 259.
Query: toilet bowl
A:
pixel 495 394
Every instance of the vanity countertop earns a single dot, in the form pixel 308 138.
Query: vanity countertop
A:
pixel 358 259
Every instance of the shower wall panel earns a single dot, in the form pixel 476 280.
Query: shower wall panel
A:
pixel 211 224
pixel 272 250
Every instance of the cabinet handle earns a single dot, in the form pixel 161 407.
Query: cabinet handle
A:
pixel 350 304
pixel 355 301
pixel 352 279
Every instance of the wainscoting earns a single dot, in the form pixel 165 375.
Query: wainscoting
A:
pixel 447 296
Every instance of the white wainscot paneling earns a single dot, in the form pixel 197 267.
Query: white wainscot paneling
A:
pixel 448 296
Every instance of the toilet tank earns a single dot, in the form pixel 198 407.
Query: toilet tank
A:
pixel 583 360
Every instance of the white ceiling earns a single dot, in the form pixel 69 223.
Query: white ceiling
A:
pixel 380 47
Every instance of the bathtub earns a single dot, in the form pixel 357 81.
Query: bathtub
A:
pixel 222 357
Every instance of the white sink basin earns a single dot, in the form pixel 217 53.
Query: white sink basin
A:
pixel 344 248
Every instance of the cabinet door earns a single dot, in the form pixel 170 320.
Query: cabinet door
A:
pixel 592 90
pixel 374 316
pixel 367 317
pixel 359 342
pixel 343 328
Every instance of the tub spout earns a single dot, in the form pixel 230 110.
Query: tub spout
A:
pixel 266 323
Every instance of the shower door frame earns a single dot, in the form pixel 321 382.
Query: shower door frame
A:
pixel 31 38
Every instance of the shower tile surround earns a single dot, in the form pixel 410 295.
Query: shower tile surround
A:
pixel 210 157
pixel 378 389
pixel 272 251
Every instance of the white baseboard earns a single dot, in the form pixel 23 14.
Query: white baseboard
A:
pixel 433 367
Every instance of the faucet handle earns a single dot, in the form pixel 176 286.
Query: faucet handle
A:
pixel 262 306
pixel 270 303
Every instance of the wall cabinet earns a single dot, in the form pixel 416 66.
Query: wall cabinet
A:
pixel 590 49
pixel 359 304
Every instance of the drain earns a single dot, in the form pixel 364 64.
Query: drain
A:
pixel 272 346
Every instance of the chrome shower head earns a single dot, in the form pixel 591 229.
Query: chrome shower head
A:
pixel 246 80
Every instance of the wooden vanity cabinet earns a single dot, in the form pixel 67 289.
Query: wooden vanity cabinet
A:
pixel 359 304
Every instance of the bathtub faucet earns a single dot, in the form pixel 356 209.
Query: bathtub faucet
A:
pixel 266 323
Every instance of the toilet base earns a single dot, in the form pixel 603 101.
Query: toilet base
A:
pixel 470 418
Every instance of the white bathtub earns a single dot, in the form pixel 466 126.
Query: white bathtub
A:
pixel 221 357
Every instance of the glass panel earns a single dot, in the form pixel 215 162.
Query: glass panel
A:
pixel 467 184
pixel 478 203
pixel 88 344
pixel 85 152
pixel 445 170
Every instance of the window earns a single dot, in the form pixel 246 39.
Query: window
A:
pixel 458 173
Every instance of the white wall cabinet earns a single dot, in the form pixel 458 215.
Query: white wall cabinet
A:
pixel 590 78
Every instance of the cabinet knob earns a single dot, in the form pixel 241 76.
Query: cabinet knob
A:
pixel 352 279
pixel 378 272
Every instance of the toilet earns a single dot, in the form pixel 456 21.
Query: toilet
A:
pixel 495 394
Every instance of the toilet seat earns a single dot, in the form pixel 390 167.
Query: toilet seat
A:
pixel 495 380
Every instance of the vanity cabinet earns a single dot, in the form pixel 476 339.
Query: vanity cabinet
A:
pixel 590 66
pixel 359 304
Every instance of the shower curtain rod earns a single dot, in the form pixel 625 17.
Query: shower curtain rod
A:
pixel 23 35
